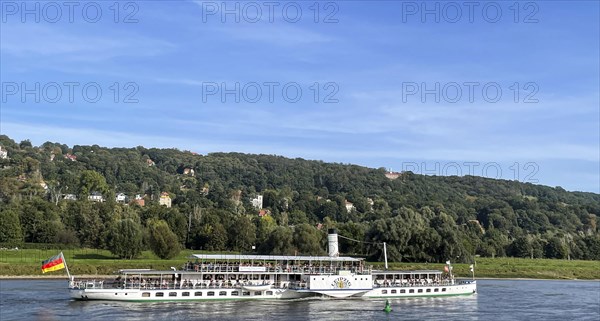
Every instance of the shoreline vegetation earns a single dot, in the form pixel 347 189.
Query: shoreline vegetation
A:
pixel 92 263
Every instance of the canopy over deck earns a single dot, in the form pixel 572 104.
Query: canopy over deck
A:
pixel 242 257
pixel 387 272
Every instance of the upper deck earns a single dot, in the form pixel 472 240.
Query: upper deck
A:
pixel 238 263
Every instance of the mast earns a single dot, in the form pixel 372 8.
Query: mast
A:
pixel 385 255
pixel 66 267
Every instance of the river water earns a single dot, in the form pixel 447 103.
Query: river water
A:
pixel 496 300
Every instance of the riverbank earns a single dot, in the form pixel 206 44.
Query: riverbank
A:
pixel 100 263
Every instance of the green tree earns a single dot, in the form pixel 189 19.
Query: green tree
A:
pixel 214 237
pixel 124 239
pixel 163 241
pixel 307 239
pixel 10 229
pixel 592 243
pixel 92 181
pixel 242 234
pixel 556 249
pixel 279 242
pixel 521 247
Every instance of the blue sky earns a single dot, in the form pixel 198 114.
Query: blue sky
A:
pixel 371 61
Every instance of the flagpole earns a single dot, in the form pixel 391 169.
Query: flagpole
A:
pixel 66 267
pixel 385 255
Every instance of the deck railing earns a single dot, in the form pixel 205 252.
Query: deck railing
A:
pixel 166 285
pixel 272 268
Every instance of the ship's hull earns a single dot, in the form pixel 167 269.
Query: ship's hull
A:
pixel 145 295
pixel 467 288
pixel 142 295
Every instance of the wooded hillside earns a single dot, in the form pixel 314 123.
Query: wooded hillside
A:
pixel 86 196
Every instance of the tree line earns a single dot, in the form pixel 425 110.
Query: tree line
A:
pixel 421 218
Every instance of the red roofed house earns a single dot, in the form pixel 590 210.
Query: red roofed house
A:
pixel 71 157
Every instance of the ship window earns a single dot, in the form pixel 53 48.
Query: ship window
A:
pixel 428 290
pixel 411 291
pixel 269 292
pixel 245 293
pixel 394 291
pixel 402 291
pixel 443 289
pixel 383 291
pixel 420 290
pixel 185 294
pixel 235 293
pixel 222 293
pixel 211 293
pixel 198 293
pixel 146 294
pixel 172 293
pixel 436 290
pixel 257 293
pixel 159 294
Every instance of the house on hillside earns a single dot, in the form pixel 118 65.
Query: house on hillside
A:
pixel 165 199
pixel 70 157
pixel 257 202
pixel 262 213
pixel 3 153
pixel 121 198
pixel 349 206
pixel 96 197
pixel 189 171
pixel 139 200
pixel 70 197
pixel 392 175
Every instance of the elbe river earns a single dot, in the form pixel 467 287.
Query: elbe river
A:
pixel 496 300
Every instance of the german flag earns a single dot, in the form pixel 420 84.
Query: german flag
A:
pixel 54 263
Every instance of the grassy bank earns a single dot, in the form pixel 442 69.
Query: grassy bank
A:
pixel 519 268
pixel 28 262
pixel 91 262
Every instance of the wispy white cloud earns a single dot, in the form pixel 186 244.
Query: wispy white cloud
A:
pixel 39 40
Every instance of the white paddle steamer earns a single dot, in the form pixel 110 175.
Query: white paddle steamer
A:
pixel 234 277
